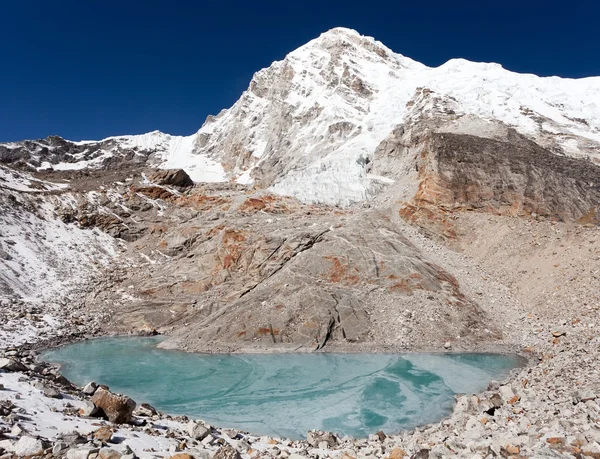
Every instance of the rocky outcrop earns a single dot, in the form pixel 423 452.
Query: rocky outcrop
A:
pixel 173 177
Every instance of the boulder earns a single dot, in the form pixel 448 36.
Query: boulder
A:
pixel 182 456
pixel 88 409
pixel 51 392
pixel 58 447
pixel 174 177
pixel 82 453
pixel 197 430
pixel 8 446
pixel 90 388
pixel 316 437
pixel 103 434
pixel 11 365
pixel 226 452
pixel 117 408
pixel 72 438
pixel 145 410
pixel 28 446
pixel 108 453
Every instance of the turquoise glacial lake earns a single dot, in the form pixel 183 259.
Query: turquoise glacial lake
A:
pixel 285 395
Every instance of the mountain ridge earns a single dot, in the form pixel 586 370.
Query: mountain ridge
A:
pixel 307 125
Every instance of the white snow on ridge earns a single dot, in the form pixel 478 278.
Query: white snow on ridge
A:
pixel 343 77
pixel 308 123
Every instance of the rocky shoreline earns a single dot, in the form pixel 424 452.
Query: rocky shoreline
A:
pixel 548 408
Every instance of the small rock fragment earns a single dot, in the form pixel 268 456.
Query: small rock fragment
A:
pixel 90 388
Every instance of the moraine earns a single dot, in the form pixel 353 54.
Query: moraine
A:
pixel 286 394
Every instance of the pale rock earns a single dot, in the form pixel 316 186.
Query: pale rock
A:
pixel 506 392
pixel 208 440
pixel 87 409
pixel 28 446
pixel 197 430
pixel 58 447
pixel 90 388
pixel 7 445
pixel 82 453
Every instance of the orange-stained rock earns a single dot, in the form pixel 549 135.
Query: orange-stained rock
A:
pixel 117 408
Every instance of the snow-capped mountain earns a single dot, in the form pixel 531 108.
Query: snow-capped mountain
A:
pixel 308 125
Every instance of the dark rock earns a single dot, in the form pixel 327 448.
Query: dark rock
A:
pixel 175 177
pixel 11 365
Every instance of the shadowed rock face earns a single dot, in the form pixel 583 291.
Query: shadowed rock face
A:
pixel 510 177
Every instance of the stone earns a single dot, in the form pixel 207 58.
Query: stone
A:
pixel 182 456
pixel 421 454
pixel 397 453
pixel 145 410
pixel 90 388
pixel 51 392
pixel 72 438
pixel 58 447
pixel 82 453
pixel 511 450
pixel 108 453
pixel 103 434
pixel 11 365
pixel 7 445
pixel 88 409
pixel 197 430
pixel 117 408
pixel 591 450
pixel 16 430
pixel 175 177
pixel 448 345
pixel 315 437
pixel 506 392
pixel 226 452
pixel 208 440
pixel 28 446
pixel 583 395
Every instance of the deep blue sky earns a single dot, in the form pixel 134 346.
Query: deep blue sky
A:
pixel 87 69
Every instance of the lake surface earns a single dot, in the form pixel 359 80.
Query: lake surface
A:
pixel 285 394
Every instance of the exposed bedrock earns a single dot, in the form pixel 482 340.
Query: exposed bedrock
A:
pixel 306 277
pixel 499 172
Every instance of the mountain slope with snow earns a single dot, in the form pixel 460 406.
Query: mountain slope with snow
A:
pixel 307 126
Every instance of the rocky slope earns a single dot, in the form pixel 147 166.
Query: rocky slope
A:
pixel 352 199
